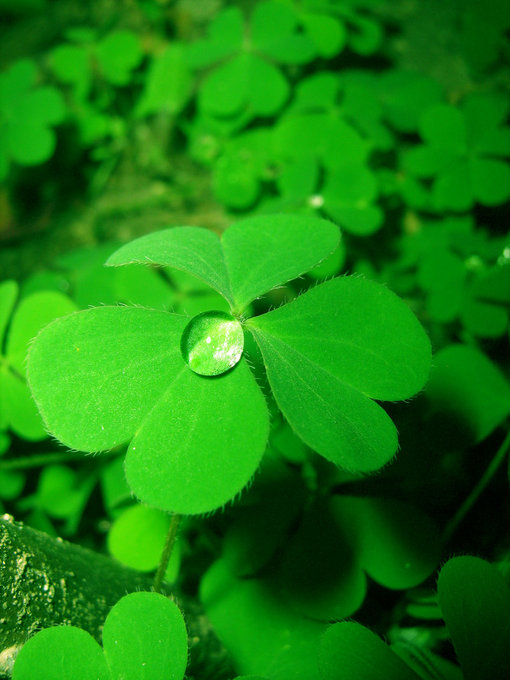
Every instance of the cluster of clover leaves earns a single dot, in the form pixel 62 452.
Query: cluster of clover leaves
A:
pixel 145 635
pixel 181 389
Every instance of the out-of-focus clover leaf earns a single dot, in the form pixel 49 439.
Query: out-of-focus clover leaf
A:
pixel 242 167
pixel 487 304
pixel 263 520
pixel 350 95
pixel 248 80
pixel 463 151
pixel 475 601
pixel 168 84
pixel 61 494
pixel 405 95
pixel 137 537
pixel 149 386
pixel 483 32
pixel 307 143
pixel 323 567
pixel 442 275
pixel 144 635
pixel 28 113
pixel 268 638
pixel 116 55
pixel 115 491
pixel 465 384
pixel 17 328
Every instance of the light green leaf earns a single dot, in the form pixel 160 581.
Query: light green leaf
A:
pixel 201 443
pixel 327 33
pixel 118 54
pixel 333 349
pixel 145 638
pixel 137 538
pixel 168 84
pixel 32 314
pixel 61 652
pixel 113 364
pixel 475 601
pixel 266 251
pixel 253 256
pixel 190 249
pixel 30 144
pixel 348 650
pixel 247 81
pixel 17 408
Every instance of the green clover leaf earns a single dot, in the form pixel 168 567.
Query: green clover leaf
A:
pixel 475 602
pixel 248 81
pixel 17 328
pixel 27 115
pixel 463 151
pixel 144 636
pixel 181 390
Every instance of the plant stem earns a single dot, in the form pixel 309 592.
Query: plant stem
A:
pixel 41 459
pixel 167 552
pixel 484 480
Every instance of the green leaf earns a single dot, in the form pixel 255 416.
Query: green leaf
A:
pixel 246 82
pixel 201 443
pixel 370 346
pixel 475 601
pixel 137 538
pixel 61 652
pixel 267 637
pixel 145 638
pixel 274 34
pixel 118 54
pixel 320 576
pixel 225 34
pixel 348 650
pixel 466 386
pixel 118 381
pixel 327 33
pixel 398 545
pixel 444 127
pixel 490 180
pixel 168 83
pixel 253 256
pixel 190 249
pixel 33 313
pixel 264 252
pixel 349 192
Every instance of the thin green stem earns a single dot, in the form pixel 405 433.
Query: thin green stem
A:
pixel 167 552
pixel 484 480
pixel 41 459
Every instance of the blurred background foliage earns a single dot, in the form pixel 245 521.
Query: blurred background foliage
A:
pixel 391 118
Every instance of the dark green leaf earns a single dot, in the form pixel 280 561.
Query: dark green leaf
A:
pixel 475 601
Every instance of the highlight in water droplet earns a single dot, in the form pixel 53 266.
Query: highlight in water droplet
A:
pixel 212 343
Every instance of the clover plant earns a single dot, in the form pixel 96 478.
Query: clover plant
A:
pixel 144 636
pixel 28 113
pixel 182 391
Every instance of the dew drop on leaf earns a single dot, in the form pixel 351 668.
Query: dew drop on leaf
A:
pixel 212 343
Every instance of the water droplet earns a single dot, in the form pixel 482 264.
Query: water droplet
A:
pixel 212 343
